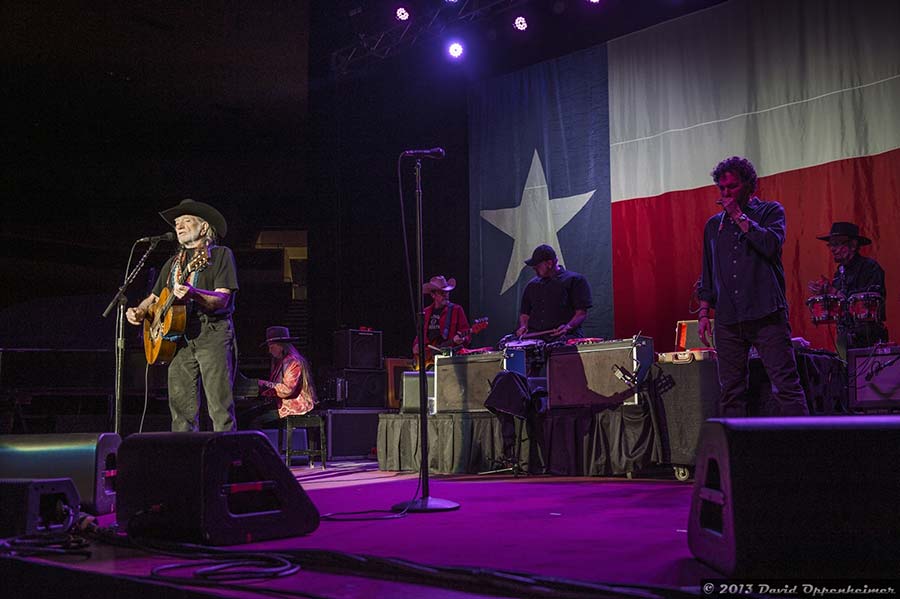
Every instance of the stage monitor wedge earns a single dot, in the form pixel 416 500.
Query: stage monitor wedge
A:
pixel 89 459
pixel 209 488
pixel 37 506
pixel 798 496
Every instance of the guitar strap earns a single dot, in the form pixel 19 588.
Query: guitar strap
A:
pixel 446 332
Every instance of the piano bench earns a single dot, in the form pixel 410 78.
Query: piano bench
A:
pixel 306 421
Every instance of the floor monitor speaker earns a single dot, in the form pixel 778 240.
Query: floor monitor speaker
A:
pixel 37 506
pixel 209 488
pixel 782 497
pixel 89 459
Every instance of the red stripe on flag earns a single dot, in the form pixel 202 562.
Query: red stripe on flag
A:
pixel 657 243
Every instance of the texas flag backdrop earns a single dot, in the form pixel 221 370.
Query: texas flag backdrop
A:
pixel 809 91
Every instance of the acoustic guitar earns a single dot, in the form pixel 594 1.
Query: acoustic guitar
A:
pixel 478 325
pixel 165 320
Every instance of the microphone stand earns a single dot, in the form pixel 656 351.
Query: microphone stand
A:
pixel 425 503
pixel 120 300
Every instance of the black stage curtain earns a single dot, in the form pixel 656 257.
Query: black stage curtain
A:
pixel 594 441
pixel 565 442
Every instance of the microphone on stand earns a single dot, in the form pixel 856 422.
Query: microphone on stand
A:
pixel 170 236
pixel 433 153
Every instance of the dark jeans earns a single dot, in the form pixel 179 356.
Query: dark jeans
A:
pixel 771 336
pixel 210 357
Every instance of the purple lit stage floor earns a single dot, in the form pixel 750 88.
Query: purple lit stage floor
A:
pixel 610 530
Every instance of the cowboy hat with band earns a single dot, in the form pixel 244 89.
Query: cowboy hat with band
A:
pixel 844 229
pixel 439 283
pixel 278 334
pixel 200 210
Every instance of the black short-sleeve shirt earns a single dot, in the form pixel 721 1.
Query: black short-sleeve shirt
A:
pixel 220 273
pixel 552 302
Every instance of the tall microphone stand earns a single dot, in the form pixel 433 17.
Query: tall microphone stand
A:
pixel 120 300
pixel 425 503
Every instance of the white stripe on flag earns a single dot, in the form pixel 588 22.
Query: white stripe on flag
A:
pixel 787 84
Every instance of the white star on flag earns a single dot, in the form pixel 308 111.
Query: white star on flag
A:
pixel 536 220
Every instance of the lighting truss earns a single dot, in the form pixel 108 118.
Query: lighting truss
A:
pixel 378 46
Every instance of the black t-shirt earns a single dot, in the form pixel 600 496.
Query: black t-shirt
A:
pixel 220 273
pixel 552 302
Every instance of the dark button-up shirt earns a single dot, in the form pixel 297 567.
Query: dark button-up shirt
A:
pixel 743 278
pixel 859 275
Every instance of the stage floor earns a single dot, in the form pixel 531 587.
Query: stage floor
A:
pixel 600 530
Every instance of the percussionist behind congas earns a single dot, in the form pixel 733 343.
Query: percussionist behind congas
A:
pixel 859 282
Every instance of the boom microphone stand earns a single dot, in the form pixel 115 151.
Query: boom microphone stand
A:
pixel 425 503
pixel 120 300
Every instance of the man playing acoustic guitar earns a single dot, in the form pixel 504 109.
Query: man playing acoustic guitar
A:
pixel 201 279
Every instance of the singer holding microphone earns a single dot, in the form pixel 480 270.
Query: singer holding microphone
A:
pixel 855 274
pixel 743 281
pixel 202 276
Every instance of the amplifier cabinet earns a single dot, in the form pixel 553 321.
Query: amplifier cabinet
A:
pixel 462 383
pixel 361 388
pixel 410 397
pixel 351 434
pixel 688 394
pixel 357 349
pixel 874 377
pixel 597 373
pixel 687 334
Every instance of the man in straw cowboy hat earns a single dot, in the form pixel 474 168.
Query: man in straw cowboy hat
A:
pixel 855 274
pixel 206 352
pixel 290 382
pixel 445 322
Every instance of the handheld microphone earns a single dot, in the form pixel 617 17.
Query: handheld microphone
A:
pixel 433 153
pixel 170 236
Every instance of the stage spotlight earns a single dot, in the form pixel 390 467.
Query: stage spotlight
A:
pixel 520 24
pixel 402 14
pixel 455 50
pixel 451 1
pixel 594 1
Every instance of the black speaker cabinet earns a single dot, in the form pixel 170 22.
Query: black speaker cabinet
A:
pixel 357 349
pixel 37 506
pixel 352 434
pixel 586 374
pixel 798 496
pixel 209 488
pixel 688 395
pixel 89 459
pixel 874 377
pixel 362 388
pixel 410 398
pixel 462 383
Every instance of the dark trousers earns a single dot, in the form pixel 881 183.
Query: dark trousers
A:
pixel 771 336
pixel 210 357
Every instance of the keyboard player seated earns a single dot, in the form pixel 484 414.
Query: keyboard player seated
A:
pixel 289 389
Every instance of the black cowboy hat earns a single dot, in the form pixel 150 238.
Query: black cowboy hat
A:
pixel 844 229
pixel 204 211
pixel 278 334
